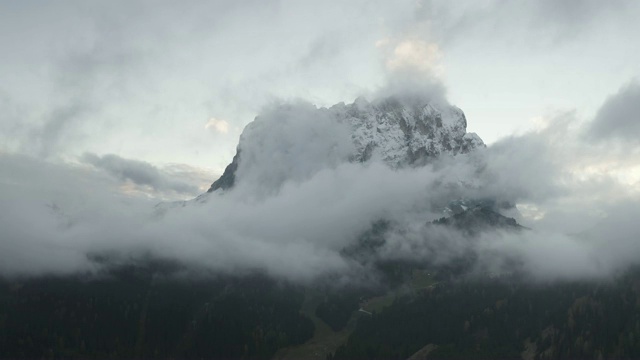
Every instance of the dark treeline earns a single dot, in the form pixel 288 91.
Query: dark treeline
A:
pixel 507 320
pixel 139 311
pixel 149 311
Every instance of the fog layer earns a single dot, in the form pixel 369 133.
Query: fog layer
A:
pixel 299 202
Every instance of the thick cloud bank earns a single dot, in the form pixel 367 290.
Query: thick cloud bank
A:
pixel 139 172
pixel 619 117
pixel 579 200
pixel 290 142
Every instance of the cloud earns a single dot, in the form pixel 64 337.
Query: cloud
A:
pixel 290 142
pixel 321 49
pixel 144 174
pixel 414 55
pixel 527 24
pixel 42 201
pixel 298 203
pixel 619 117
pixel 220 126
pixel 59 128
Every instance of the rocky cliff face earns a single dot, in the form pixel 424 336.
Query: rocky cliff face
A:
pixel 405 134
pixel 399 133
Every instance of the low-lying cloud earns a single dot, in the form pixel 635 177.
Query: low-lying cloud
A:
pixel 143 173
pixel 294 211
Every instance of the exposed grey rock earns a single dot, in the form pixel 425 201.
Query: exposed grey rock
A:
pixel 398 132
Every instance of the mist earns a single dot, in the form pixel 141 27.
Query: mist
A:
pixel 292 212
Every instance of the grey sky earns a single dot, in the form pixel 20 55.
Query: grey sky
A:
pixel 141 79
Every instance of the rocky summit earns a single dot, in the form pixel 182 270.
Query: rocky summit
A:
pixel 393 130
pixel 402 133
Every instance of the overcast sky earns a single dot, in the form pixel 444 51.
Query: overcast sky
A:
pixel 108 107
pixel 176 82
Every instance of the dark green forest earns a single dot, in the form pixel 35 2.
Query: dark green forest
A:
pixel 496 318
pixel 140 312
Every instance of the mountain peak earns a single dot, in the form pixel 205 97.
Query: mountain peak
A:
pixel 406 133
pixel 300 138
